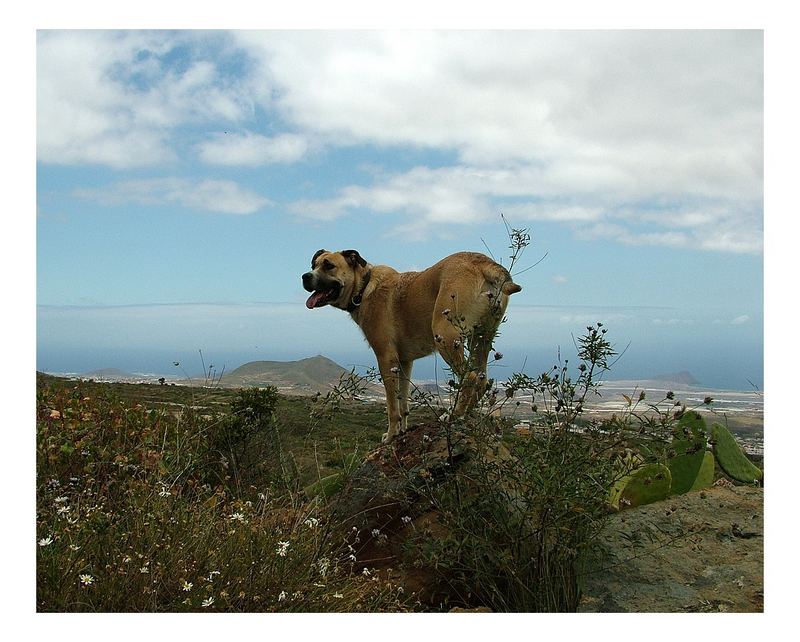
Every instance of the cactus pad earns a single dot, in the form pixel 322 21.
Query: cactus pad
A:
pixel 705 476
pixel 731 458
pixel 687 452
pixel 648 484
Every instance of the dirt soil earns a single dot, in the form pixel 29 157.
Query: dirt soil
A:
pixel 698 552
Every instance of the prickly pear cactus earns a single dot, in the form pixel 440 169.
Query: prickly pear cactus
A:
pixel 691 424
pixel 705 476
pixel 687 452
pixel 731 458
pixel 648 484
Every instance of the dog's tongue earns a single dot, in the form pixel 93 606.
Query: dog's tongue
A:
pixel 314 300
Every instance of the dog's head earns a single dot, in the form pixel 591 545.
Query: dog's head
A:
pixel 333 278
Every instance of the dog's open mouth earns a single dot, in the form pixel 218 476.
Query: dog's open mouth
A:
pixel 319 298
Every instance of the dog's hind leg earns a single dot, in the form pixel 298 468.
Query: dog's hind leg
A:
pixel 465 343
pixel 450 344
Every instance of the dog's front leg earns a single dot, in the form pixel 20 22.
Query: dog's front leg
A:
pixel 391 375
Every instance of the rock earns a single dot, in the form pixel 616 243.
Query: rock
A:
pixel 701 558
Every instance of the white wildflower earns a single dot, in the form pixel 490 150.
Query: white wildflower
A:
pixel 338 596
pixel 86 579
pixel 207 602
pixel 311 522
pixel 376 532
pixel 282 596
pixel 281 549
pixel 46 541
pixel 238 517
pixel 405 519
pixel 186 586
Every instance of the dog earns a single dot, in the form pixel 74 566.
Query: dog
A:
pixel 409 315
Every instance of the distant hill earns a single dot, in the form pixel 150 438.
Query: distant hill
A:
pixel 313 373
pixel 682 377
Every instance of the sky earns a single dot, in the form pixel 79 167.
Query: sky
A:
pixel 185 178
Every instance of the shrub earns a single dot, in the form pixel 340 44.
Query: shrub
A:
pixel 521 520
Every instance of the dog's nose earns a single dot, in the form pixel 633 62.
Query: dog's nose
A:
pixel 307 278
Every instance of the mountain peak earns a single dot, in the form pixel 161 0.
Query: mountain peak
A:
pixel 313 373
pixel 684 377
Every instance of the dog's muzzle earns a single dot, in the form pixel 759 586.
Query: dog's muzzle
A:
pixel 321 293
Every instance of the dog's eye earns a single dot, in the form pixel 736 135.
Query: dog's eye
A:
pixel 327 265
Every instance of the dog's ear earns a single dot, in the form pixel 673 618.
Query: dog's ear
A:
pixel 353 258
pixel 314 258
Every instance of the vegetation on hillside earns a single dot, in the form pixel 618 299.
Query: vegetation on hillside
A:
pixel 159 505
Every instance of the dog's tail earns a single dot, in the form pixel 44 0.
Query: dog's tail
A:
pixel 498 276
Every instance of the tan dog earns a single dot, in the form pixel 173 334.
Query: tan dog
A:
pixel 405 316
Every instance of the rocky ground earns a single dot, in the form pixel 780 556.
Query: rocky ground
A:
pixel 699 552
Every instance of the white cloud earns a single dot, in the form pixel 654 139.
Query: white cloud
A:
pixel 588 128
pixel 578 127
pixel 116 97
pixel 252 150
pixel 672 321
pixel 225 197
pixel 608 108
pixel 744 318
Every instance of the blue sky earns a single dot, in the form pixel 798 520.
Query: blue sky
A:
pixel 185 178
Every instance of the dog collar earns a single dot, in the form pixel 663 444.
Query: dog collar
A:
pixel 356 300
